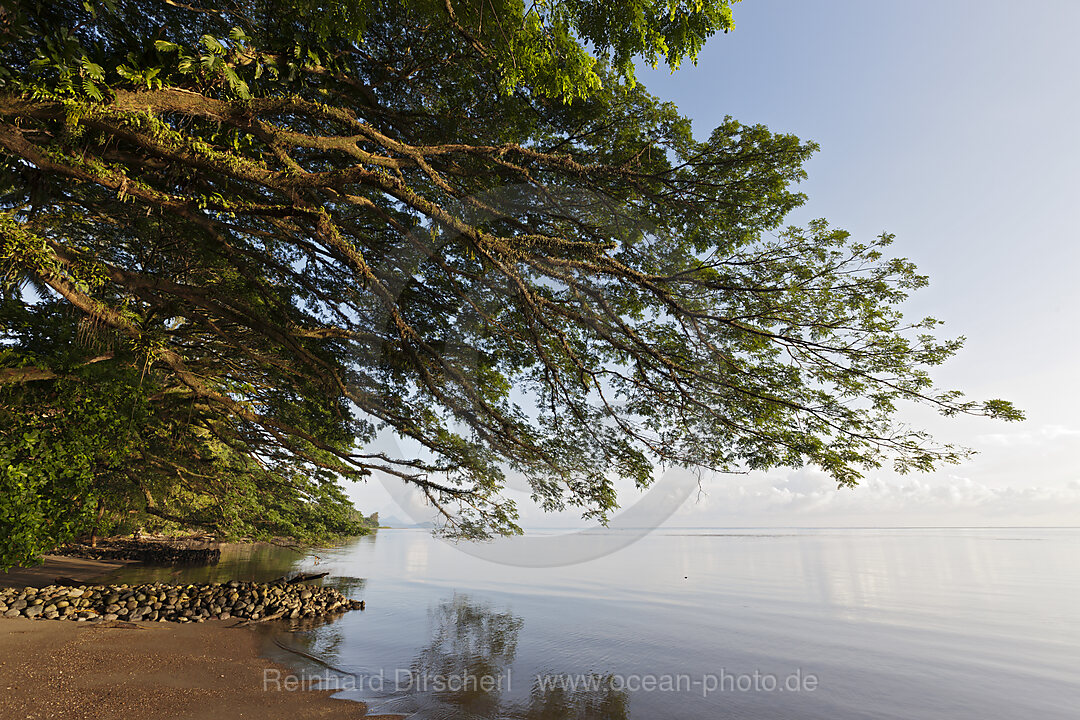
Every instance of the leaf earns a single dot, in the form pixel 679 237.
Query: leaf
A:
pixel 212 44
pixel 91 89
pixel 93 70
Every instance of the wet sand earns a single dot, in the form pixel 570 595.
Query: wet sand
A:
pixel 146 671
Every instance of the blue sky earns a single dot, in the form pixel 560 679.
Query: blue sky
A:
pixel 955 125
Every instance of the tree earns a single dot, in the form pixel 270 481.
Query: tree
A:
pixel 460 222
pixel 100 446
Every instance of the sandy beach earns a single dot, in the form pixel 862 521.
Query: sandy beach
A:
pixel 145 671
pixel 141 671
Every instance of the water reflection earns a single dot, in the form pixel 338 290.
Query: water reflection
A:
pixel 466 664
pixel 897 624
pixel 255 562
pixel 465 671
pixel 596 700
pixel 348 586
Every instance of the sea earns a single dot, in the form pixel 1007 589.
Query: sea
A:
pixel 688 623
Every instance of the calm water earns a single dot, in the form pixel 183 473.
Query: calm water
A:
pixel 915 623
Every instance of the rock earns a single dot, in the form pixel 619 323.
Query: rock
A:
pixel 13 613
pixel 177 603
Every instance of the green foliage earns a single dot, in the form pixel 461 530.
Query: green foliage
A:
pixel 110 432
pixel 465 224
pixel 553 48
pixel 47 478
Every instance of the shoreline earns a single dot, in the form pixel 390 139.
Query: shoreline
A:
pixel 146 671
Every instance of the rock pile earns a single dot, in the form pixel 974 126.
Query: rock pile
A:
pixel 175 603
pixel 154 553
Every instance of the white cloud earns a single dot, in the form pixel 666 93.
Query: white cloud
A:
pixel 809 497
pixel 1026 438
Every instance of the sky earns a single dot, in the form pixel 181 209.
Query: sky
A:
pixel 954 124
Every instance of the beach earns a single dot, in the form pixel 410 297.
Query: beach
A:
pixel 51 669
pixel 141 670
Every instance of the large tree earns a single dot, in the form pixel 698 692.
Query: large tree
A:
pixel 289 226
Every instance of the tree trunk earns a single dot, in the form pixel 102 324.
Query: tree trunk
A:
pixel 97 522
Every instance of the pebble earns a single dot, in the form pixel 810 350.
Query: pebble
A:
pixel 175 603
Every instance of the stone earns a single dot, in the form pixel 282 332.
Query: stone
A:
pixel 175 603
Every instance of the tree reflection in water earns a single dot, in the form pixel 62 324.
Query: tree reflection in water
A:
pixel 471 642
pixel 598 700
pixel 471 649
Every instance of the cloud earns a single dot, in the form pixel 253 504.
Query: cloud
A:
pixel 809 497
pixel 1031 476
pixel 1045 435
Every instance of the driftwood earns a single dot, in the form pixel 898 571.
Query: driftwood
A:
pixel 124 624
pixel 264 618
pixel 309 656
pixel 299 578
